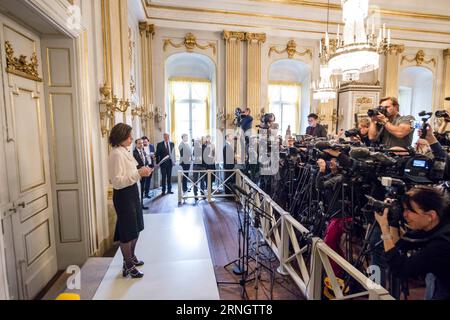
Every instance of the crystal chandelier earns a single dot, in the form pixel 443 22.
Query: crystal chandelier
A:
pixel 358 50
pixel 324 90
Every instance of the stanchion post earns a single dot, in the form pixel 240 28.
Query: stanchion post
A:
pixel 314 289
pixel 180 173
pixel 209 185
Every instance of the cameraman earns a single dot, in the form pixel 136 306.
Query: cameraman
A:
pixel 390 128
pixel 437 150
pixel 426 213
pixel 246 120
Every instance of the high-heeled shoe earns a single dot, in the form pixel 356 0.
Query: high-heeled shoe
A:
pixel 136 262
pixel 132 272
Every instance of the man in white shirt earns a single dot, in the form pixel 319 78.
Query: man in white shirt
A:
pixel 163 149
pixel 185 157
pixel 150 152
pixel 141 158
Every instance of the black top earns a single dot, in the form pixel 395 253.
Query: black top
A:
pixel 317 131
pixel 433 257
pixel 137 156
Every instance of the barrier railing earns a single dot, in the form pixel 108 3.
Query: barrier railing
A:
pixel 291 243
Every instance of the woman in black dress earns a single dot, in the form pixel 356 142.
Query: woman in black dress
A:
pixel 124 176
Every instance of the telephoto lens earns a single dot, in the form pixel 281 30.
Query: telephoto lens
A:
pixel 441 114
pixel 351 133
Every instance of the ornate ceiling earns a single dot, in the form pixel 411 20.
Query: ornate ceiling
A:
pixel 411 22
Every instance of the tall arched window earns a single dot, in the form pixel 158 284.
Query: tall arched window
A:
pixel 190 95
pixel 289 94
pixel 190 102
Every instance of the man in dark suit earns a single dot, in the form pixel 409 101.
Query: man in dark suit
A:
pixel 315 129
pixel 163 149
pixel 228 162
pixel 149 150
pixel 141 158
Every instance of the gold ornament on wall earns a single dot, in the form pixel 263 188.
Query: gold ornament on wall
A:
pixel 419 58
pixel 230 35
pixel 20 66
pixel 291 49
pixel 363 101
pixel 110 104
pixel 222 116
pixel 190 43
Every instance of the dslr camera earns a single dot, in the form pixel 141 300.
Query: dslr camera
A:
pixel 351 133
pixel 376 111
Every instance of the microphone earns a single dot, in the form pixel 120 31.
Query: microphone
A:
pixel 359 153
pixel 237 188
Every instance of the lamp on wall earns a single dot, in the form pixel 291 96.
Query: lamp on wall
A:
pixel 158 115
pixel 109 105
pixel 222 116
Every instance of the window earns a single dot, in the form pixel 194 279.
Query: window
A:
pixel 190 101
pixel 284 103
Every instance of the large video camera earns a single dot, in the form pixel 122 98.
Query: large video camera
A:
pixel 441 114
pixel 376 111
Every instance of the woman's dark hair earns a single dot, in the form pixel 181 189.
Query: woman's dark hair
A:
pixel 428 198
pixel 313 115
pixel 119 134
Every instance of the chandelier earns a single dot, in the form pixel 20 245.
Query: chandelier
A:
pixel 324 90
pixel 358 50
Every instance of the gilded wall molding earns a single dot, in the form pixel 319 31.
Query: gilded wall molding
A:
pixel 20 66
pixel 255 37
pixel 419 59
pixel 446 52
pixel 190 43
pixel 291 50
pixel 233 35
pixel 149 29
pixel 396 49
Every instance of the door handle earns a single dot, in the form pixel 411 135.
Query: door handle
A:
pixel 22 204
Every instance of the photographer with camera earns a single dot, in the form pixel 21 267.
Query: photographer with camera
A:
pixel 315 129
pixel 360 134
pixel 243 119
pixel 388 127
pixel 426 213
pixel 437 150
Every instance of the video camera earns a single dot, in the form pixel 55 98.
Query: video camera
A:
pixel 441 114
pixel 376 111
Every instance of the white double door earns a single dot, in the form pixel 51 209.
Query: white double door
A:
pixel 28 236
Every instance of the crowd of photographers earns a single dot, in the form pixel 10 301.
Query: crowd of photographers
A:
pixel 373 185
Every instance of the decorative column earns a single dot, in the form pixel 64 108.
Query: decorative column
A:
pixel 447 77
pixel 233 70
pixel 254 42
pixel 392 69
pixel 147 31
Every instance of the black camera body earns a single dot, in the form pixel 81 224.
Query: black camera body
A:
pixel 441 114
pixel 352 133
pixel 376 111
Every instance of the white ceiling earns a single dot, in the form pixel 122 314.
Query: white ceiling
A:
pixel 417 22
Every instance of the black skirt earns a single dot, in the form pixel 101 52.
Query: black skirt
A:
pixel 130 219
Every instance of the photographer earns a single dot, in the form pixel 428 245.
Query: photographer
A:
pixel 437 150
pixel 315 129
pixel 388 127
pixel 362 133
pixel 426 213
pixel 245 120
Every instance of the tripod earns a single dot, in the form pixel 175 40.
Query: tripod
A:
pixel 242 266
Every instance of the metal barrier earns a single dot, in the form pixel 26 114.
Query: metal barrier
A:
pixel 208 192
pixel 281 232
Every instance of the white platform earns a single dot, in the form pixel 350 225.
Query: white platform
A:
pixel 177 266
